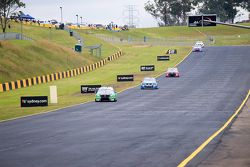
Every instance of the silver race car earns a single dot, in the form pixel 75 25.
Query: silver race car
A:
pixel 197 48
pixel 149 83
pixel 200 43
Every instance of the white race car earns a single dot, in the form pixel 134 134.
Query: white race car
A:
pixel 197 48
pixel 172 72
pixel 200 43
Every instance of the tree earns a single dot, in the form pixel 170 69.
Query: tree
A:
pixel 244 4
pixel 169 12
pixel 7 8
pixel 225 9
pixel 180 8
pixel 159 10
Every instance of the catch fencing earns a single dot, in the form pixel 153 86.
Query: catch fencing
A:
pixel 181 41
pixel 13 36
pixel 74 33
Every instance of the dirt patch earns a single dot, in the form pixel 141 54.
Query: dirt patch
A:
pixel 234 149
pixel 141 46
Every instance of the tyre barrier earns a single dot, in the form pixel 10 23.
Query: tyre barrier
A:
pixel 23 83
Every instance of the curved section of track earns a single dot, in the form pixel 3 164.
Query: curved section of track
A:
pixel 145 127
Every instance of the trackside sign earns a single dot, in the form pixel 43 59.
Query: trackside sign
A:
pixel 198 20
pixel 125 78
pixel 171 51
pixel 163 58
pixel 148 68
pixel 90 88
pixel 34 101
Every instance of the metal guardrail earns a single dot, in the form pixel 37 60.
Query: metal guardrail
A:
pixel 153 41
pixel 75 34
pixel 227 24
pixel 95 48
pixel 13 36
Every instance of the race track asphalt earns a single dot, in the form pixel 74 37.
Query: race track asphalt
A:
pixel 145 128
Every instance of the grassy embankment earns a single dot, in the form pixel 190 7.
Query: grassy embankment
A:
pixel 49 52
pixel 222 35
pixel 227 36
pixel 134 56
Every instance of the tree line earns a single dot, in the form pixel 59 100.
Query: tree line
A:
pixel 7 8
pixel 167 12
pixel 175 12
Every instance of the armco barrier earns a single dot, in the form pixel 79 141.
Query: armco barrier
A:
pixel 47 25
pixel 56 76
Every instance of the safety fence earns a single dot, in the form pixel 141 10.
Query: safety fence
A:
pixel 49 25
pixel 74 34
pixel 71 26
pixel 23 83
pixel 13 36
pixel 180 41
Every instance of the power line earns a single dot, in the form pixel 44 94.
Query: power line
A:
pixel 131 15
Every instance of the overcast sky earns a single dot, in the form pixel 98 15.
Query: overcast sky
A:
pixel 92 11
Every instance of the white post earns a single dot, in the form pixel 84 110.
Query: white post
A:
pixel 53 94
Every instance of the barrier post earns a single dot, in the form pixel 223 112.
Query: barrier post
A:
pixel 53 95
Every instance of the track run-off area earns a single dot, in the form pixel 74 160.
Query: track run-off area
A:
pixel 145 128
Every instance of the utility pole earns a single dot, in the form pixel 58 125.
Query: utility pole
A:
pixel 50 34
pixel 61 15
pixel 21 29
pixel 21 21
pixel 81 20
pixel 165 13
pixel 77 19
pixel 202 18
pixel 50 30
pixel 131 13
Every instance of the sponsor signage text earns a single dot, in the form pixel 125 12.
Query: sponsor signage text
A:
pixel 172 51
pixel 90 88
pixel 148 68
pixel 34 101
pixel 197 20
pixel 125 78
pixel 163 58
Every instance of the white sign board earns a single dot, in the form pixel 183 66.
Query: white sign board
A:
pixel 53 94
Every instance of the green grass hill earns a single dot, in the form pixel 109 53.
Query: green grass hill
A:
pixel 222 35
pixel 50 51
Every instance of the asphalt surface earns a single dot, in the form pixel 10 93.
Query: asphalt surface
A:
pixel 145 128
pixel 233 149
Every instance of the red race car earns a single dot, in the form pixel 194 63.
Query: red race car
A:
pixel 172 72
